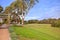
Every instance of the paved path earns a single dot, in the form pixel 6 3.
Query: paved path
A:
pixel 4 33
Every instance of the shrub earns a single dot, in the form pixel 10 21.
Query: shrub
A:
pixel 0 24
pixel 13 34
pixel 56 24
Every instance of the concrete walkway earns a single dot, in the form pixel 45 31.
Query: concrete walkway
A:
pixel 4 33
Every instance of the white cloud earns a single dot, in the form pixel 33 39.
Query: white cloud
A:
pixel 29 18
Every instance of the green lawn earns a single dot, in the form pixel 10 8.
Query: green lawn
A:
pixel 37 32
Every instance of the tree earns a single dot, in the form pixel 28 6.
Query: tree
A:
pixel 8 12
pixel 22 7
pixel 1 9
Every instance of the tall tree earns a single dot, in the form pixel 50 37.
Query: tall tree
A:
pixel 1 9
pixel 22 7
pixel 8 11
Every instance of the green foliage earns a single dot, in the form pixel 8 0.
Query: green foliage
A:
pixel 37 32
pixel 56 24
pixel 1 8
pixel 13 34
pixel 0 24
pixel 33 21
pixel 53 22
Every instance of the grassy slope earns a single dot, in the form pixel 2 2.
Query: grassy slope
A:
pixel 37 32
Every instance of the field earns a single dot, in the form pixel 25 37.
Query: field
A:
pixel 37 32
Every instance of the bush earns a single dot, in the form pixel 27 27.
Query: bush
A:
pixel 13 34
pixel 0 24
pixel 56 24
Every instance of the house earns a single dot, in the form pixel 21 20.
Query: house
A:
pixel 2 17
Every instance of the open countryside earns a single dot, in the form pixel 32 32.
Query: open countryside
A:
pixel 37 32
pixel 29 19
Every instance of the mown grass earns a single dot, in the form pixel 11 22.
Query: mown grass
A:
pixel 37 32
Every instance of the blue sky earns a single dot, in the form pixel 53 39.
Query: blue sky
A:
pixel 42 10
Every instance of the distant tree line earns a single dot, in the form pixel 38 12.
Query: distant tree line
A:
pixel 53 22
